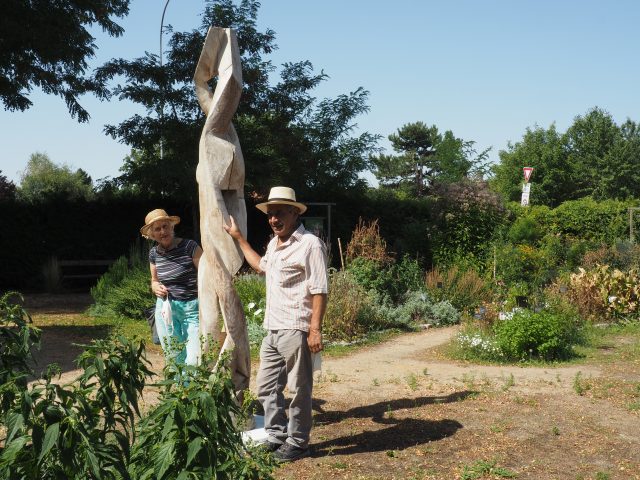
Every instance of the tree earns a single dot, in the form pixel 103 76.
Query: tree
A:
pixel 593 158
pixel 287 137
pixel 7 188
pixel 426 156
pixel 45 43
pixel 43 180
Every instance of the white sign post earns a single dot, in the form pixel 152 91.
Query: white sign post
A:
pixel 526 186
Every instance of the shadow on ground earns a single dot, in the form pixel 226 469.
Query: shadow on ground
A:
pixel 63 344
pixel 400 433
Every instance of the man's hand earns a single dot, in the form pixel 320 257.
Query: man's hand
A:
pixel 232 229
pixel 315 340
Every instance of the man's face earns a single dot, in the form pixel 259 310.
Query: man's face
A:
pixel 283 220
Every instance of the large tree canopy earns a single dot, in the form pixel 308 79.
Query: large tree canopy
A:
pixel 594 157
pixel 43 180
pixel 287 136
pixel 426 157
pixel 45 44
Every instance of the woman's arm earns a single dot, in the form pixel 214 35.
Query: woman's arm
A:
pixel 158 289
pixel 196 256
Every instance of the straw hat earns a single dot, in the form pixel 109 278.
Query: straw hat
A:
pixel 281 196
pixel 154 216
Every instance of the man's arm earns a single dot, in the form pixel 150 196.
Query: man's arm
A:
pixel 250 254
pixel 318 307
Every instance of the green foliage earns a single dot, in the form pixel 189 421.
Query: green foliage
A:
pixel 525 230
pixel 17 338
pixel 605 294
pixel 425 157
pixel 466 217
pixel 7 188
pixel 43 180
pixel 124 290
pixel 288 137
pixel 81 430
pixel 392 280
pixel 47 44
pixel 546 335
pixel 604 221
pixel 482 468
pixel 252 291
pixel 131 296
pixel 463 288
pixel 417 308
pixel 192 432
pixel 347 302
pixel 595 158
pixel 87 428
pixel 476 343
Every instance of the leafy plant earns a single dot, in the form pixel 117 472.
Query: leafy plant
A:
pixel 482 468
pixel 192 432
pixel 547 335
pixel 252 291
pixel 81 430
pixel 17 338
pixel 464 289
pixel 346 302
pixel 603 293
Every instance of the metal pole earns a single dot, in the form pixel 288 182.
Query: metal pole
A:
pixel 162 95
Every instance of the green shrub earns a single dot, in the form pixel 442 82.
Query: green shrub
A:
pixel 475 343
pixel 604 221
pixel 17 339
pixel 192 432
pixel 370 275
pixel 392 280
pixel 525 230
pixel 546 335
pixel 131 296
pixel 464 289
pixel 444 313
pixel 346 307
pixel 80 430
pixel 87 428
pixel 252 291
pixel 417 308
pixel 112 277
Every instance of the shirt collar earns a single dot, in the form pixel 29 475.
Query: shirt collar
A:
pixel 295 236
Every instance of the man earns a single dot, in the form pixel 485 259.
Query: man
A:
pixel 295 266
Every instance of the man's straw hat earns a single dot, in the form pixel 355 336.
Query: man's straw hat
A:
pixel 282 196
pixel 154 216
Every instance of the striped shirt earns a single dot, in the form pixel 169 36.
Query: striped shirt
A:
pixel 294 271
pixel 176 270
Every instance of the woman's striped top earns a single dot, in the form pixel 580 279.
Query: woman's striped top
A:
pixel 176 270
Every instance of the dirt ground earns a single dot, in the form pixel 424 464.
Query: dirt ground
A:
pixel 400 411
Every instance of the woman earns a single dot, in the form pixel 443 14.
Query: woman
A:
pixel 174 276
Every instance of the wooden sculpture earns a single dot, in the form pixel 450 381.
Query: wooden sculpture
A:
pixel 220 176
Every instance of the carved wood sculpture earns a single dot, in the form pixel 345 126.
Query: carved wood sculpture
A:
pixel 220 176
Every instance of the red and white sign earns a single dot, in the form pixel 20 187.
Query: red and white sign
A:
pixel 527 173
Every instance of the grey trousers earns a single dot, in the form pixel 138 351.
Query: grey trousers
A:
pixel 285 360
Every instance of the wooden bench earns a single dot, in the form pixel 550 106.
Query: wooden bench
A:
pixel 83 269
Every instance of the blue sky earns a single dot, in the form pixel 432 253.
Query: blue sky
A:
pixel 485 69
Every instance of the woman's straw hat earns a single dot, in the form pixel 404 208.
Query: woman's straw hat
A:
pixel 282 196
pixel 154 216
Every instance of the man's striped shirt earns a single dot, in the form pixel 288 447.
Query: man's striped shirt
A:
pixel 294 271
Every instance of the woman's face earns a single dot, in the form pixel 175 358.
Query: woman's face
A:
pixel 162 232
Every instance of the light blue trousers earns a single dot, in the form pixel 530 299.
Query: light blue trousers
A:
pixel 185 329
